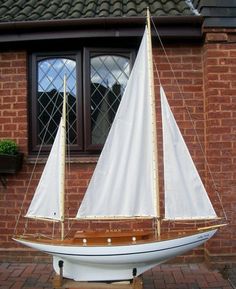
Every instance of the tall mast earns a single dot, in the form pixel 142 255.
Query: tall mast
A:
pixel 154 127
pixel 62 164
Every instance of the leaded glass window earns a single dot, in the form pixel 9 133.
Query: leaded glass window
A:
pixel 109 75
pixel 51 72
pixel 96 79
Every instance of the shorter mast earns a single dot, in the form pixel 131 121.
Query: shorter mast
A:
pixel 62 164
pixel 154 127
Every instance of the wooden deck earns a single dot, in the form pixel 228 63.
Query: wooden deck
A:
pixel 116 238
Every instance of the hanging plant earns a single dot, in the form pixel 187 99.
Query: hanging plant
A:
pixel 8 147
pixel 10 157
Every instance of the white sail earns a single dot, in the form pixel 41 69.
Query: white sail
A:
pixel 185 195
pixel 46 200
pixel 122 184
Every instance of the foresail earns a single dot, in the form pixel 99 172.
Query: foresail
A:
pixel 122 183
pixel 185 195
pixel 46 201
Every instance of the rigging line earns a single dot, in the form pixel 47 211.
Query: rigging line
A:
pixel 68 168
pixel 35 164
pixel 189 114
pixel 158 74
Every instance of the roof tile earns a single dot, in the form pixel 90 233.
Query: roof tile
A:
pixel 36 10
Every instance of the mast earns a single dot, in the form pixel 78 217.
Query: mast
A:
pixel 62 164
pixel 154 127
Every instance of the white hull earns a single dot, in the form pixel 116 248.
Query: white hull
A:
pixel 107 263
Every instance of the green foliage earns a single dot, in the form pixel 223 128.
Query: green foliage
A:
pixel 8 147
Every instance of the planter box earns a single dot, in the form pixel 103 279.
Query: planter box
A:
pixel 10 164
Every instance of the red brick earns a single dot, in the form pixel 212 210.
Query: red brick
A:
pixel 216 53
pixel 9 85
pixel 5 64
pixel 8 56
pixel 217 69
pixel 232 53
pixel 10 70
pixel 216 37
pixel 5 92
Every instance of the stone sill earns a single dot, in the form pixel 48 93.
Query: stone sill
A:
pixel 72 160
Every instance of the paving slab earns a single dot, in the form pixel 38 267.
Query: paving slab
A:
pixel 166 276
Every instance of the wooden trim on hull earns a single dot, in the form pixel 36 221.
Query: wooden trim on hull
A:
pixel 115 238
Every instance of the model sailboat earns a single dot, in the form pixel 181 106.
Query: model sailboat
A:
pixel 125 185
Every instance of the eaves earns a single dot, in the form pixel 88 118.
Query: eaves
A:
pixel 171 27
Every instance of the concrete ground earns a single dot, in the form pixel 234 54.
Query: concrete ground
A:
pixel 184 276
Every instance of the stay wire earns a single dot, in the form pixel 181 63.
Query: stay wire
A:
pixel 70 224
pixel 190 117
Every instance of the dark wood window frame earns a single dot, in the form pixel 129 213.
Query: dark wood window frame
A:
pixel 84 144
pixel 88 53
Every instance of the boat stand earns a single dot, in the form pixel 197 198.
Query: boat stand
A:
pixel 59 283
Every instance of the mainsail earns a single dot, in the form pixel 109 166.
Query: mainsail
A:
pixel 123 182
pixel 185 195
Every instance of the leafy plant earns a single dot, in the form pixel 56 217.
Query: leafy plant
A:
pixel 8 147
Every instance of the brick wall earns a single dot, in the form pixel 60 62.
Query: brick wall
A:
pixel 13 114
pixel 205 75
pixel 13 125
pixel 219 59
pixel 181 76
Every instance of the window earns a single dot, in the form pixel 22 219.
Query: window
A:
pixel 96 79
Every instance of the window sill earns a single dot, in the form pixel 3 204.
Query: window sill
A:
pixel 71 160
